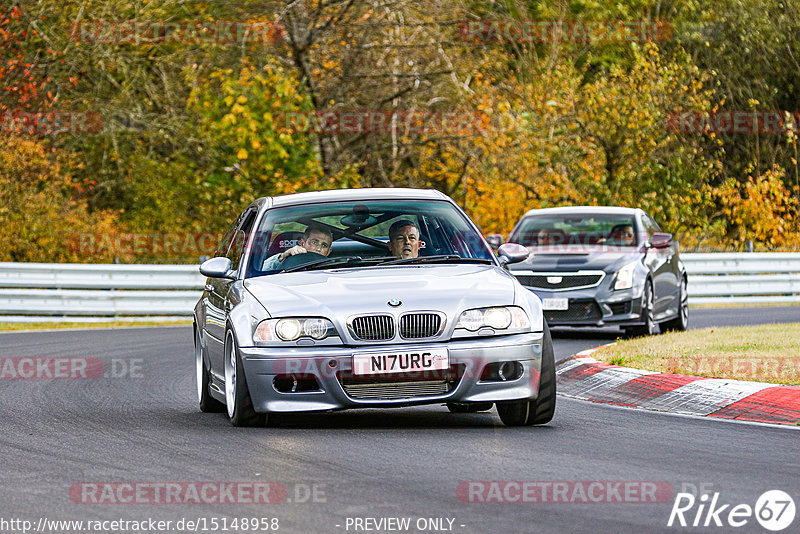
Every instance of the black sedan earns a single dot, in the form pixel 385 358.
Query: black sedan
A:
pixel 602 266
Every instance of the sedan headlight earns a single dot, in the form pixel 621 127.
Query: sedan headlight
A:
pixel 501 319
pixel 625 276
pixel 293 328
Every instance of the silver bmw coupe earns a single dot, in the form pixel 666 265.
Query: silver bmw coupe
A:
pixel 368 298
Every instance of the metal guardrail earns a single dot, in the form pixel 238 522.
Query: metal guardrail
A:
pixel 93 292
pixel 761 277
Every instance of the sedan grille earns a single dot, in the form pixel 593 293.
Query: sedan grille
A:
pixel 420 325
pixel 373 327
pixel 560 280
pixel 579 310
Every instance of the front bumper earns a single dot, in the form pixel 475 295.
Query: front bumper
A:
pixel 598 306
pixel 330 367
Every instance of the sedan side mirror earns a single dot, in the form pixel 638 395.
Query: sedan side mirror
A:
pixel 512 253
pixel 494 240
pixel 220 267
pixel 660 240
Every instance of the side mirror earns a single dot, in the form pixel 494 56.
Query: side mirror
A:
pixel 660 240
pixel 512 253
pixel 220 267
pixel 494 240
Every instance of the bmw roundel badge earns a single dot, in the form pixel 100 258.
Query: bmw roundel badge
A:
pixel 394 303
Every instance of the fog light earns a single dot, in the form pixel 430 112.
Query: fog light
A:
pixel 507 371
pixel 295 383
pixel 502 371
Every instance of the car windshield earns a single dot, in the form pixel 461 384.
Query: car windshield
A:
pixel 357 234
pixel 576 229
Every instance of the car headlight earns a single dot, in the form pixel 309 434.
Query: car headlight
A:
pixel 625 276
pixel 293 328
pixel 501 319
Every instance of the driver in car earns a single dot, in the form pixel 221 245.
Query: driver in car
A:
pixel 404 239
pixel 315 239
pixel 622 234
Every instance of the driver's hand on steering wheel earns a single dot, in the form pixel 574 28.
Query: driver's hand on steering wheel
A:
pixel 297 249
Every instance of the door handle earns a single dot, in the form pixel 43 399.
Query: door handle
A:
pixel 209 287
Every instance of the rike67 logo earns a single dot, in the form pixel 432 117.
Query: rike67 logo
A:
pixel 774 510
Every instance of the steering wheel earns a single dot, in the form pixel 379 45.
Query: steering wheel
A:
pixel 300 259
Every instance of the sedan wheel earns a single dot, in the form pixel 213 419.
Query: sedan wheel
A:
pixel 681 322
pixel 237 396
pixel 650 327
pixel 204 398
pixel 540 410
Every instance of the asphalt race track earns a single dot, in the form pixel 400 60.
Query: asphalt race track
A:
pixel 139 424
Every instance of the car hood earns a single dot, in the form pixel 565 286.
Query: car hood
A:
pixel 566 260
pixel 338 294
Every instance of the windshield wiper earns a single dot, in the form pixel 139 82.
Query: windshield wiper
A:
pixel 345 260
pixel 443 258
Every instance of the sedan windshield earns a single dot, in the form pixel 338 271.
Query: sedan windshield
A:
pixel 576 229
pixel 363 234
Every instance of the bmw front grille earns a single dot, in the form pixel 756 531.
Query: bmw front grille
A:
pixel 373 327
pixel 420 325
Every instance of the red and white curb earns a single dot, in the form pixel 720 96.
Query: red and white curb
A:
pixel 583 377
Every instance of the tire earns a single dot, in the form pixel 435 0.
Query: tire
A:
pixel 208 404
pixel 650 327
pixel 237 397
pixel 472 407
pixel 681 322
pixel 540 410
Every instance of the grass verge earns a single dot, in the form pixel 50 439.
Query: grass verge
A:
pixel 765 353
pixel 19 327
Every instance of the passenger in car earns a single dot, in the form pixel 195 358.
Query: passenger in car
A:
pixel 404 239
pixel 315 239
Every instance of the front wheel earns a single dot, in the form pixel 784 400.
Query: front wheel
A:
pixel 650 327
pixel 237 396
pixel 540 410
pixel 681 322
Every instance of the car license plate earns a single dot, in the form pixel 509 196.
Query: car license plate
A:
pixel 555 304
pixel 400 361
